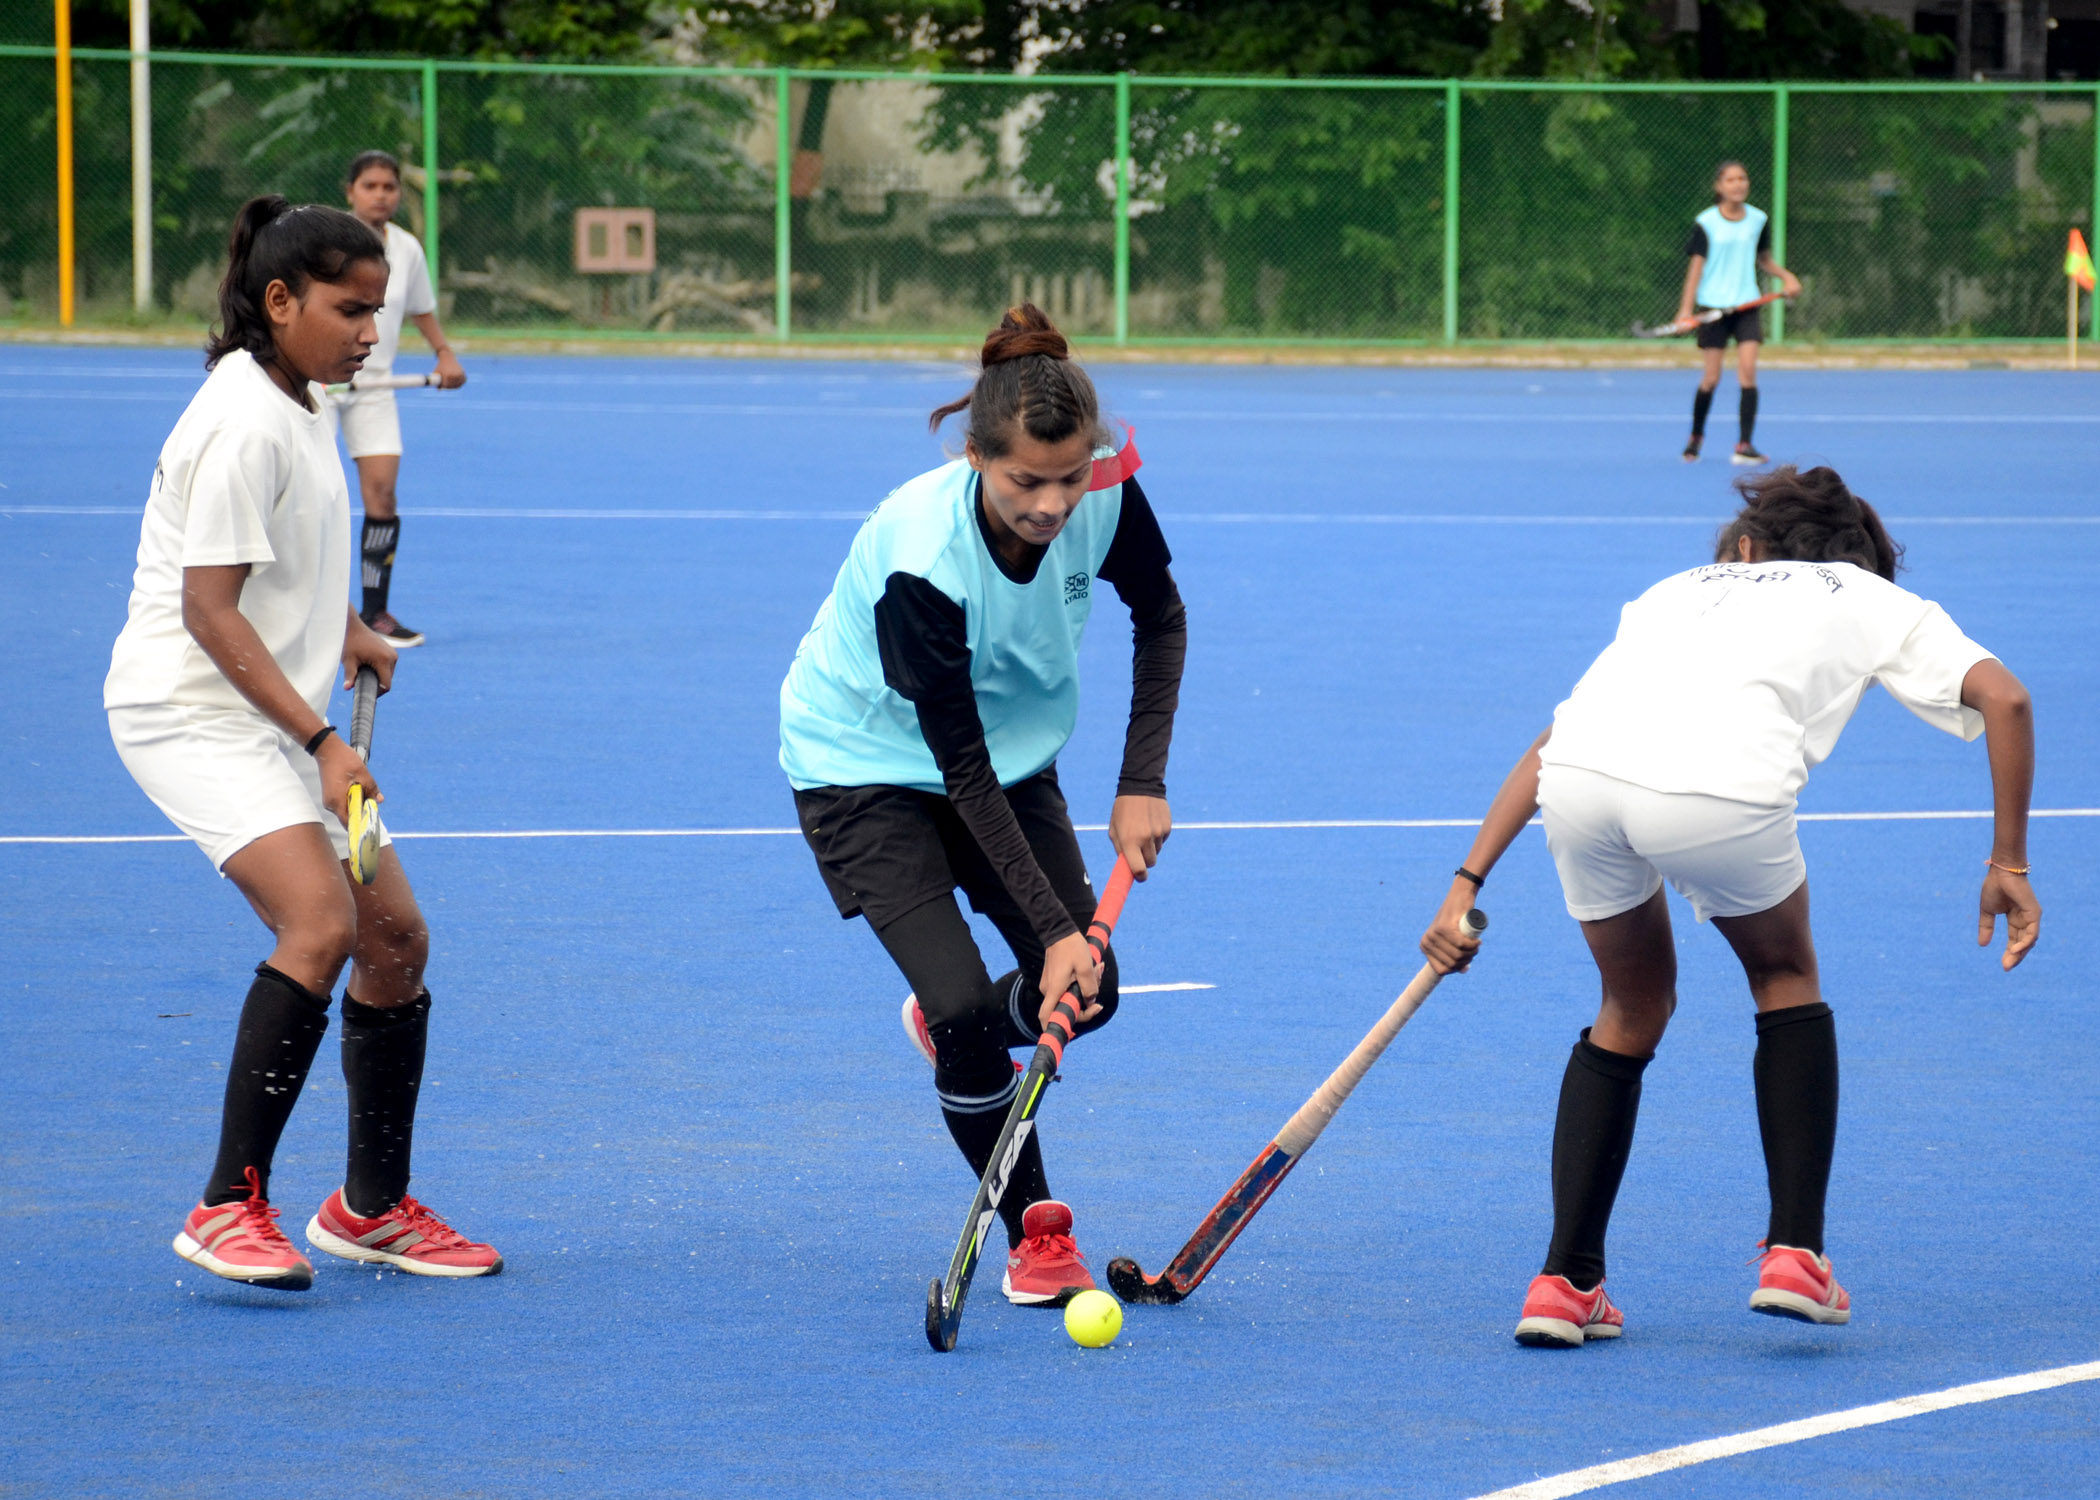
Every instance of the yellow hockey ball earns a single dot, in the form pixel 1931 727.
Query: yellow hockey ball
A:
pixel 1093 1319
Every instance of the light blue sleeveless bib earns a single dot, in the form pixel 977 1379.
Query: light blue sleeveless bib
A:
pixel 841 724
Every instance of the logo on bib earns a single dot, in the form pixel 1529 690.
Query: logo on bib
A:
pixel 1076 586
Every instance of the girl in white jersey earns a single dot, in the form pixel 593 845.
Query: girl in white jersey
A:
pixel 1729 249
pixel 1678 757
pixel 371 420
pixel 217 697
pixel 920 726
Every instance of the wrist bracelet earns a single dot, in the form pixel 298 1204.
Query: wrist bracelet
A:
pixel 313 745
pixel 2008 869
pixel 1465 874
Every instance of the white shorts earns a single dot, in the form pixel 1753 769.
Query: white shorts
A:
pixel 370 422
pixel 1614 843
pixel 224 776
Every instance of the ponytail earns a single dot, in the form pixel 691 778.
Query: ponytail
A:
pixel 273 241
pixel 1026 374
pixel 1795 517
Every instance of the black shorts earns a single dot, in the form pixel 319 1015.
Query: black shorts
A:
pixel 1745 327
pixel 887 850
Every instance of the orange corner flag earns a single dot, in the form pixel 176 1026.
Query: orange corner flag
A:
pixel 2078 262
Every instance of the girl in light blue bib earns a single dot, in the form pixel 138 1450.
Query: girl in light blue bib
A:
pixel 1730 248
pixel 920 726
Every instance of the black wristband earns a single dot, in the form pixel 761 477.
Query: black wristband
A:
pixel 1465 874
pixel 313 745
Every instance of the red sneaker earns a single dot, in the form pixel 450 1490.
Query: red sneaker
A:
pixel 1798 1284
pixel 915 1029
pixel 1046 1268
pixel 408 1237
pixel 241 1242
pixel 1556 1316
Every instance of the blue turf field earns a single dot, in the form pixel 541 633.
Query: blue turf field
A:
pixel 669 1083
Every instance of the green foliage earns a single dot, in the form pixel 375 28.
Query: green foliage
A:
pixel 1289 38
pixel 1802 39
pixel 935 36
pixel 571 30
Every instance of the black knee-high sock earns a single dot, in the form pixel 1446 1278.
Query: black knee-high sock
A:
pixel 1600 1096
pixel 282 1024
pixel 1797 1111
pixel 1746 411
pixel 976 1090
pixel 383 1065
pixel 1702 403
pixel 381 540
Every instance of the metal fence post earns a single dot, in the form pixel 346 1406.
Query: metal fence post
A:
pixel 1451 211
pixel 430 167
pixel 783 209
pixel 1781 100
pixel 1122 208
pixel 2093 224
pixel 62 35
pixel 141 162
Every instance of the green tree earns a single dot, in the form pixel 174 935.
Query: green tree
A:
pixel 570 30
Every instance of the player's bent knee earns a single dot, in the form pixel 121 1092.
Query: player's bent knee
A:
pixel 403 947
pixel 328 934
pixel 969 1054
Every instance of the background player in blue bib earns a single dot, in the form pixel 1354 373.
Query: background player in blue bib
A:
pixel 920 726
pixel 1729 248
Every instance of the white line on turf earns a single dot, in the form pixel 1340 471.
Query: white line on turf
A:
pixel 1514 412
pixel 1619 1471
pixel 1257 826
pixel 1161 989
pixel 1223 518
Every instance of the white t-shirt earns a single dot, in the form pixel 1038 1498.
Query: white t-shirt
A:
pixel 408 294
pixel 247 476
pixel 1732 680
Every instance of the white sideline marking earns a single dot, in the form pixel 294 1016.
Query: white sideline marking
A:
pixel 1662 1461
pixel 1172 518
pixel 1258 826
pixel 1514 412
pixel 1161 989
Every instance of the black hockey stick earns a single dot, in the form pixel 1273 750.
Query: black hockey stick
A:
pixel 363 824
pixel 944 1300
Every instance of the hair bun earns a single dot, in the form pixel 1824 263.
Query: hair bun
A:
pixel 1025 330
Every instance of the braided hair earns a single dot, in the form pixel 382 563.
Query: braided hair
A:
pixel 1026 375
pixel 1811 517
pixel 273 241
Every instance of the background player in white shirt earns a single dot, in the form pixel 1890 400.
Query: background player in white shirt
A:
pixel 1678 757
pixel 370 420
pixel 1729 248
pixel 217 696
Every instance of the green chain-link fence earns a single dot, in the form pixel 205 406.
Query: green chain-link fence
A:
pixel 848 204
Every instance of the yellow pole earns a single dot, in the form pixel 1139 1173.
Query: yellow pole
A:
pixel 2071 319
pixel 65 162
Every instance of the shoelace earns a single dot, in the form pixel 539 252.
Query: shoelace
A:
pixel 1054 1248
pixel 257 1217
pixel 434 1229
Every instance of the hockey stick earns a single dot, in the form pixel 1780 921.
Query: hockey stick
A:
pixel 1214 1236
pixel 1699 320
pixel 944 1300
pixel 363 824
pixel 359 383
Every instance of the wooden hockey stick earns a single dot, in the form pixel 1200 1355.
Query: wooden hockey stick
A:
pixel 1214 1236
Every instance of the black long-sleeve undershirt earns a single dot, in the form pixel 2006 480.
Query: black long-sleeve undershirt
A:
pixel 924 643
